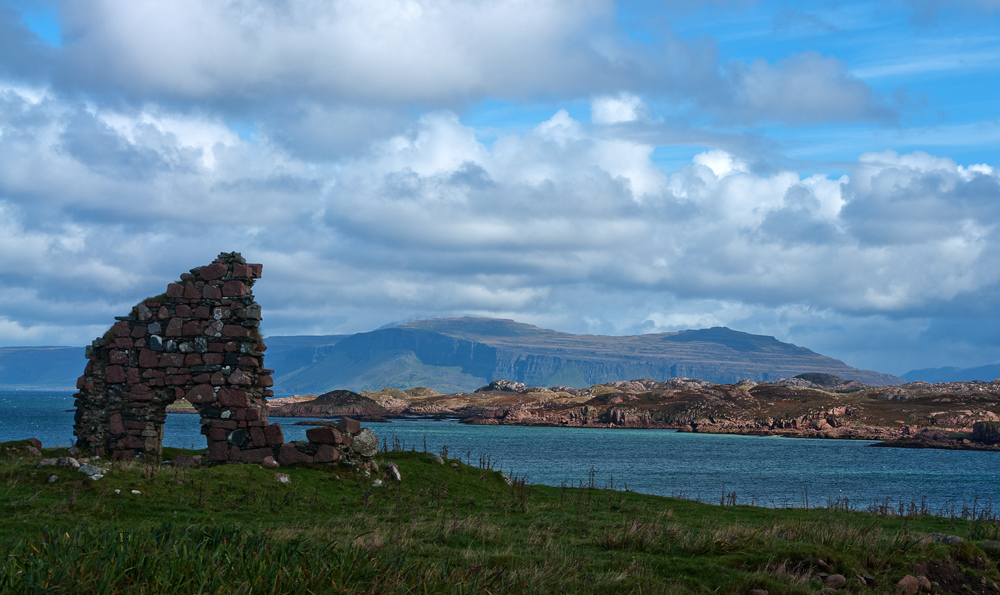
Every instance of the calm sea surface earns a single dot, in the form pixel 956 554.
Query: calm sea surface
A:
pixel 765 471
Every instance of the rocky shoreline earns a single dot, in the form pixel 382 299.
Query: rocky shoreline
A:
pixel 957 415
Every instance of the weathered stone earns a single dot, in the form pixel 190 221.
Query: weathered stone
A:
pixel 273 434
pixel 365 443
pixel 270 463
pixel 289 455
pixel 392 470
pixel 234 289
pixel 114 374
pixel 909 584
pixel 203 393
pixel 835 581
pixel 324 435
pixel 348 425
pixel 174 327
pixel 326 453
pixel 282 478
pixel 115 425
pixel 238 437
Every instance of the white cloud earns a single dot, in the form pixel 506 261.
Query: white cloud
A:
pixel 624 107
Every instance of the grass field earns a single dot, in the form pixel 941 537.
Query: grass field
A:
pixel 457 527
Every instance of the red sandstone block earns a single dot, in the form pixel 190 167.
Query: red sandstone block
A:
pixel 140 343
pixel 88 385
pixel 247 362
pixel 153 374
pixel 148 358
pixel 326 453
pixel 124 343
pixel 174 327
pixel 256 424
pixel 256 269
pixel 178 393
pixel 253 414
pixel 289 455
pixel 256 455
pixel 178 379
pixel 132 424
pixel 162 313
pixel 133 376
pixel 232 330
pixel 193 359
pixel 156 382
pixel 191 292
pixel 183 311
pixel 324 435
pixel 238 378
pixel 193 328
pixel 80 382
pixel 235 454
pixel 268 393
pixel 115 425
pixel 172 360
pixel 114 374
pixel 138 331
pixel 273 434
pixel 187 277
pixel 118 356
pixel 257 437
pixel 229 424
pixel 216 433
pixel 218 451
pixel 122 328
pixel 231 346
pixel 131 442
pixel 348 425
pixel 348 440
pixel 213 271
pixel 240 413
pixel 202 312
pixel 203 393
pixel 234 289
pixel 265 381
pixel 202 379
pixel 175 290
pixel 216 347
pixel 212 292
pixel 266 371
pixel 213 359
pixel 218 379
pixel 232 397
pixel 141 392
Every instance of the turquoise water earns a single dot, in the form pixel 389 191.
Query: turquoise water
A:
pixel 766 471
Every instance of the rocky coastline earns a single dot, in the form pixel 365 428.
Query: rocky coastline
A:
pixel 956 415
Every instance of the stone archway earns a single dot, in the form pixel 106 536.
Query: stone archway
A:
pixel 198 341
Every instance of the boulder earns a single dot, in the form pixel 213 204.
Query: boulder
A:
pixel 365 443
pixel 326 453
pixel 289 455
pixel 835 581
pixel 348 425
pixel 324 435
pixel 909 584
pixel 393 471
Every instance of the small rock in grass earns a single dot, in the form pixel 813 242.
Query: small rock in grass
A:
pixel 270 463
pixel 53 478
pixel 136 492
pixel 35 452
pixel 454 464
pixel 759 592
pixel 377 483
pixel 437 459
pixel 909 584
pixel 374 467
pixel 393 471
pixel 117 491
pixel 941 538
pixel 835 581
pixel 96 476
pixel 282 478
pixel 46 463
pixel 925 584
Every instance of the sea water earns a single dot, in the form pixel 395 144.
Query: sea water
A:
pixel 766 471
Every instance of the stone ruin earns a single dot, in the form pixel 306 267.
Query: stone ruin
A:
pixel 199 341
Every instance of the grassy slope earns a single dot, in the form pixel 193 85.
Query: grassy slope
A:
pixel 445 528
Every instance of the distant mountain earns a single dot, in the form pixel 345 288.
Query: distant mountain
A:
pixel 49 368
pixel 951 374
pixel 462 354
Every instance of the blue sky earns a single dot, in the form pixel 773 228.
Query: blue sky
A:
pixel 826 173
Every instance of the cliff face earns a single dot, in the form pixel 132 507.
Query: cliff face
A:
pixel 454 355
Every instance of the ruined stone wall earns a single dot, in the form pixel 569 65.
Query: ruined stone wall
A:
pixel 197 341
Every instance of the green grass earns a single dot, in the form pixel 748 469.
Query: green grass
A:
pixel 444 529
